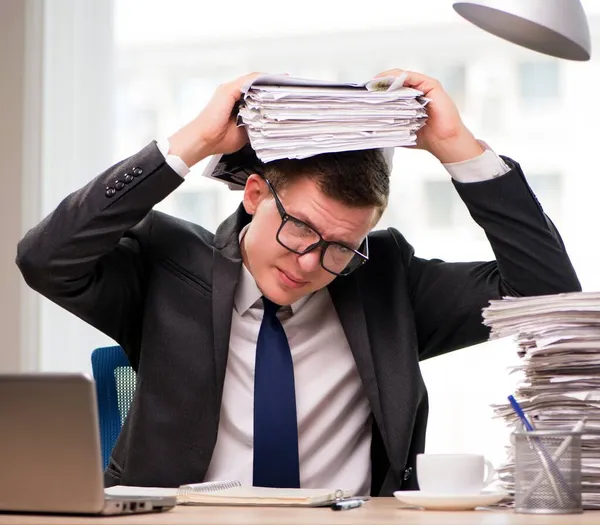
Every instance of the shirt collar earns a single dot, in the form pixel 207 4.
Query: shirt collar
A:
pixel 248 294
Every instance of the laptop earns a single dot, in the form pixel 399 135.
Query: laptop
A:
pixel 50 457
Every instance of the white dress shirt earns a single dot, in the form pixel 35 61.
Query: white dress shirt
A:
pixel 334 417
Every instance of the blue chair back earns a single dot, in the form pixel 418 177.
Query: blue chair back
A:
pixel 115 387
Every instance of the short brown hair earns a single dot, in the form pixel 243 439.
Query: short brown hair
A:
pixel 355 178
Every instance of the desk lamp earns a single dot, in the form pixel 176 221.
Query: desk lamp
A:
pixel 554 27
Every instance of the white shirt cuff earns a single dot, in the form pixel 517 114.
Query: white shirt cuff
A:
pixel 177 165
pixel 486 166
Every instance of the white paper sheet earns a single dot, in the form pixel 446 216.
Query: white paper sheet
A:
pixel 297 118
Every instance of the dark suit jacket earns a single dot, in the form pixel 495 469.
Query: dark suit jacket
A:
pixel 163 289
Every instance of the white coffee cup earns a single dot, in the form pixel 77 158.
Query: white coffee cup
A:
pixel 453 473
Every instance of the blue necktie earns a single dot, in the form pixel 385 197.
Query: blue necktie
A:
pixel 276 461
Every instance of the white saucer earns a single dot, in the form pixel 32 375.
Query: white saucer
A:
pixel 431 501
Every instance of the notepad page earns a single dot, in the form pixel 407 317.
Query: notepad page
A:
pixel 134 491
pixel 263 496
pixel 207 486
pixel 213 493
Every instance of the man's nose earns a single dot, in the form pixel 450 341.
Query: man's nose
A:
pixel 310 261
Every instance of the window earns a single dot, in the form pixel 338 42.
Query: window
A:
pixel 136 120
pixel 538 83
pixel 444 208
pixel 200 207
pixel 440 198
pixel 548 189
pixel 193 93
pixel 454 79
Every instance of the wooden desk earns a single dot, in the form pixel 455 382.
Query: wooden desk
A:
pixel 379 511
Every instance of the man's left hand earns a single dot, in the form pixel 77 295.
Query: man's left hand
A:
pixel 445 135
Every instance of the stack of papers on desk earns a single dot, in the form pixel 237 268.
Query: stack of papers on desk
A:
pixel 558 339
pixel 296 118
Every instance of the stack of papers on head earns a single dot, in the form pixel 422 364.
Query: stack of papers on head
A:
pixel 558 338
pixel 297 118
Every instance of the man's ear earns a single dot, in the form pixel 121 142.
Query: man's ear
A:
pixel 254 193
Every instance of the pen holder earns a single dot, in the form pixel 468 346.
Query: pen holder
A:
pixel 548 472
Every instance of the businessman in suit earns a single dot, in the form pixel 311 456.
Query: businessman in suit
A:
pixel 283 350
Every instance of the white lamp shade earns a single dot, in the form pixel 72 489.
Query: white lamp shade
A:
pixel 554 27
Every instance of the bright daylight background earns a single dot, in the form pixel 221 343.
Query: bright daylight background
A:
pixel 120 74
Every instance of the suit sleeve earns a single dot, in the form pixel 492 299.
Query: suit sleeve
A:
pixel 89 255
pixel 531 259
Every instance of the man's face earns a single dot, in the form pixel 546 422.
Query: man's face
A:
pixel 284 276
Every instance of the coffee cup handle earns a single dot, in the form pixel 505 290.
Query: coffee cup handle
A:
pixel 491 472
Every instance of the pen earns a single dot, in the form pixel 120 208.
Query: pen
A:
pixel 519 411
pixel 347 504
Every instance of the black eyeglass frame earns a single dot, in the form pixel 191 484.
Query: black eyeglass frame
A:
pixel 285 217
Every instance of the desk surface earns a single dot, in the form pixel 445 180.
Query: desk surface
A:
pixel 379 511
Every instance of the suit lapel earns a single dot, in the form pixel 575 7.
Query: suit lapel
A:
pixel 225 278
pixel 227 263
pixel 346 299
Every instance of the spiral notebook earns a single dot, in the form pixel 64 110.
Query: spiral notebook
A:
pixel 233 493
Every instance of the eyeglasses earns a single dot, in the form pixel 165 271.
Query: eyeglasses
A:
pixel 298 237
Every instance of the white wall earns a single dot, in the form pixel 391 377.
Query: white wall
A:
pixel 19 99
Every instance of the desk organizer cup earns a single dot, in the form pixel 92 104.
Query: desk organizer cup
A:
pixel 548 472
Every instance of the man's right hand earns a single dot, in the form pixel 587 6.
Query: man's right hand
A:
pixel 214 130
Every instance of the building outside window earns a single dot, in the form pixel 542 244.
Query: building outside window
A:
pixel 538 83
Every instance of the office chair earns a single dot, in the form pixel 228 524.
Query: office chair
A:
pixel 115 387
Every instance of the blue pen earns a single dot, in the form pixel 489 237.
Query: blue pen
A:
pixel 519 411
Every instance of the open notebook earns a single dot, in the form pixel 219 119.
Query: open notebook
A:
pixel 232 493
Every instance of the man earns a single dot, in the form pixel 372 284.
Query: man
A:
pixel 284 349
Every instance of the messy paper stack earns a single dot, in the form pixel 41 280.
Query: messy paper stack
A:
pixel 558 340
pixel 295 118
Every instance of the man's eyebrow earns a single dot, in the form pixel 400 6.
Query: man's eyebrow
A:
pixel 300 216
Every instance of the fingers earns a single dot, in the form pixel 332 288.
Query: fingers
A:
pixel 420 81
pixel 413 79
pixel 234 87
pixel 247 78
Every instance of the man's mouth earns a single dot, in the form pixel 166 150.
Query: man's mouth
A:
pixel 291 279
